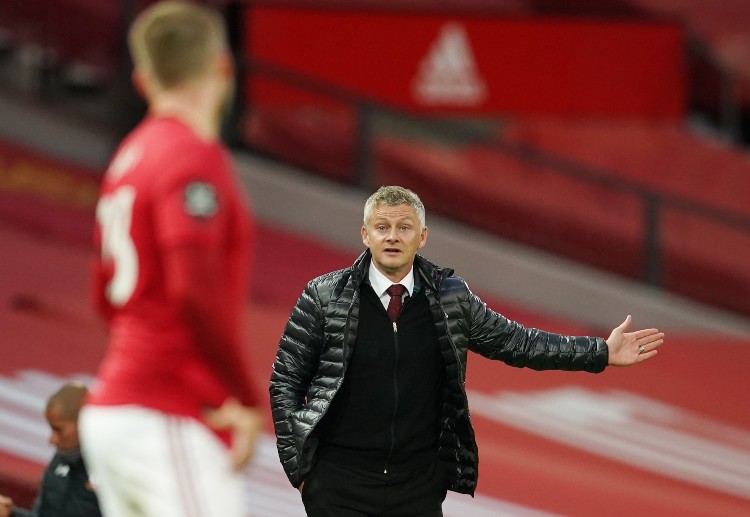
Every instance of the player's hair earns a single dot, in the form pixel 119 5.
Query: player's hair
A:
pixel 393 195
pixel 69 399
pixel 176 40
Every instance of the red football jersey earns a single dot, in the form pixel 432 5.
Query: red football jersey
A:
pixel 166 187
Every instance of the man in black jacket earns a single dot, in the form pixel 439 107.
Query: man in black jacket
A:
pixel 65 490
pixel 367 390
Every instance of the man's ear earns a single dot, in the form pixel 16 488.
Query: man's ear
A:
pixel 224 65
pixel 140 83
pixel 365 237
pixel 423 237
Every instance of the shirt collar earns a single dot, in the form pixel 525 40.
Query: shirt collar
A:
pixel 380 282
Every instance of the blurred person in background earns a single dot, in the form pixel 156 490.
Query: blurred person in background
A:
pixel 65 490
pixel 367 389
pixel 173 417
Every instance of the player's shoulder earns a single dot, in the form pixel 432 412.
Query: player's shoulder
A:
pixel 171 135
pixel 173 147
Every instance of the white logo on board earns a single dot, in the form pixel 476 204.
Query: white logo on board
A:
pixel 448 74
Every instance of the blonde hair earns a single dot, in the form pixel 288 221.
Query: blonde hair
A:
pixel 176 41
pixel 392 196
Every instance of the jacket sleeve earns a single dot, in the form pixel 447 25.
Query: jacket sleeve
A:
pixel 496 337
pixel 293 370
pixel 34 512
pixel 20 512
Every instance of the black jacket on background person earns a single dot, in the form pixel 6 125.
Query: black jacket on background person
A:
pixel 318 341
pixel 65 492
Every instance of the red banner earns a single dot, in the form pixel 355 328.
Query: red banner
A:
pixel 437 63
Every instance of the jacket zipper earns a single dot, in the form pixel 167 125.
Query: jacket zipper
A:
pixel 395 396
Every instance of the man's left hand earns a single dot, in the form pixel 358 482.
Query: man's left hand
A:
pixel 626 348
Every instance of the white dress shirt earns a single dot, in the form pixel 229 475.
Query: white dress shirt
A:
pixel 380 283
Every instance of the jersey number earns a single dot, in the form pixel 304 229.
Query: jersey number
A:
pixel 114 214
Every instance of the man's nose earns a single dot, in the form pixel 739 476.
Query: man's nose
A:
pixel 53 438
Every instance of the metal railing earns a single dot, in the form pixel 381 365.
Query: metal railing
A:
pixel 368 114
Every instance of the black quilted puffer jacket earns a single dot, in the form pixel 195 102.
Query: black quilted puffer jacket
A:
pixel 319 337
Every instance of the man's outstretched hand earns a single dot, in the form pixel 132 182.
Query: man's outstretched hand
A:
pixel 245 424
pixel 626 348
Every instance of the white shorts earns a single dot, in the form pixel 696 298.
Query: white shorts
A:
pixel 144 463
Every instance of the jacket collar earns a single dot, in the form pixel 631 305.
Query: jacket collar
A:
pixel 425 272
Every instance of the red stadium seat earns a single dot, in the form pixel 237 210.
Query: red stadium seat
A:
pixel 536 204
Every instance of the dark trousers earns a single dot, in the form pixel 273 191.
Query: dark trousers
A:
pixel 336 490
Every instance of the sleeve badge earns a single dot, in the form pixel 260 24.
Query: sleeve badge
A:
pixel 201 200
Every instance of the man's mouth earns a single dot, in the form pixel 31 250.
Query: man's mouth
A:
pixel 392 250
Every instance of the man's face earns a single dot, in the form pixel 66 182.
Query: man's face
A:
pixel 393 235
pixel 63 432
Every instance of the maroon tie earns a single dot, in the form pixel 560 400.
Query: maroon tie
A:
pixel 396 291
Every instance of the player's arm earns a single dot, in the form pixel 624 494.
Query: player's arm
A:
pixel 245 424
pixel 101 275
pixel 192 272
